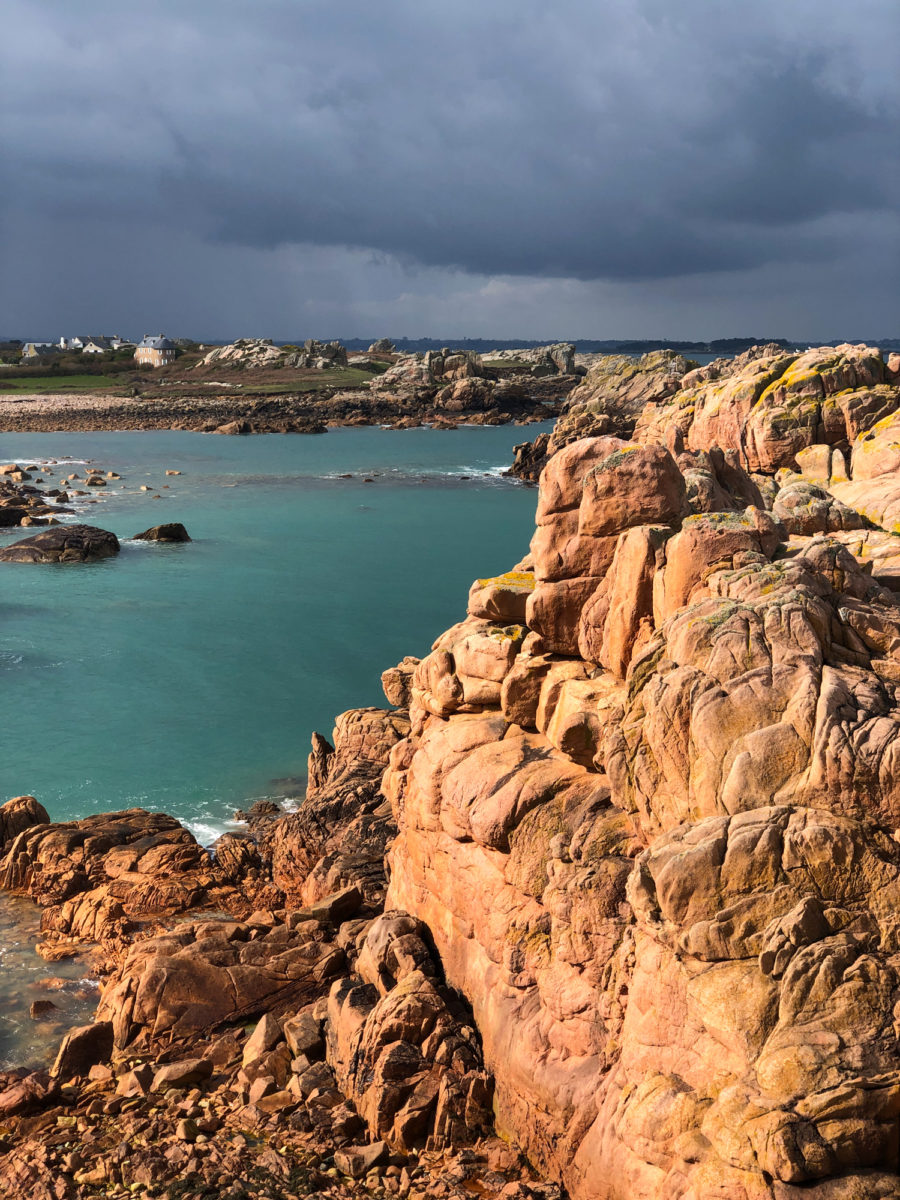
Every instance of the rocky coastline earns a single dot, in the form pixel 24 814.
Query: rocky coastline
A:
pixel 441 389
pixel 602 904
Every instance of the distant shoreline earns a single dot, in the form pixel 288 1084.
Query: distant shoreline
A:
pixel 307 412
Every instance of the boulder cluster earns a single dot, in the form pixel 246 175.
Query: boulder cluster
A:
pixel 22 502
pixel 262 353
pixel 455 384
pixel 614 883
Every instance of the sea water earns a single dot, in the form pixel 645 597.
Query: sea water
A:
pixel 189 678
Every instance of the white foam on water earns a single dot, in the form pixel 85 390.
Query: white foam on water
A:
pixel 207 832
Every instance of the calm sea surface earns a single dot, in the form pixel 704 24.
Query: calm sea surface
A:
pixel 189 678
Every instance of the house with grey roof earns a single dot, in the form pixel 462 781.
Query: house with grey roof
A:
pixel 155 350
pixel 97 345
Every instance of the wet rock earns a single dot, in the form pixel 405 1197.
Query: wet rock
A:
pixel 173 532
pixel 41 1008
pixel 65 543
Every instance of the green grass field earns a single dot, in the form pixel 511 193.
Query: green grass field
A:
pixel 156 386
pixel 61 383
pixel 349 377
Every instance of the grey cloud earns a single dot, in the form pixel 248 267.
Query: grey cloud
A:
pixel 627 140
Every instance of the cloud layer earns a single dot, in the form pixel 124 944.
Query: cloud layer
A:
pixel 352 155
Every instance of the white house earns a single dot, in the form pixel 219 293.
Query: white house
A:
pixel 93 345
pixel 97 345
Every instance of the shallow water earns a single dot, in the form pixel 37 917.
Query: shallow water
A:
pixel 187 678
pixel 26 977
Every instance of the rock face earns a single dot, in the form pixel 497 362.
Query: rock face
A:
pixel 651 828
pixel 544 361
pixel 611 398
pixel 401 1047
pixel 339 835
pixel 65 543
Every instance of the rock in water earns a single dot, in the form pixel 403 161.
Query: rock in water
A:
pixel 173 532
pixel 64 543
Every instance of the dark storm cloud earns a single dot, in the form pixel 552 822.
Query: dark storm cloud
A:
pixel 592 140
pixel 229 161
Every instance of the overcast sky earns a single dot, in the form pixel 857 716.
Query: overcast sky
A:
pixel 484 168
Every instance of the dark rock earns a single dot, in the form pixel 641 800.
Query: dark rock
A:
pixel 173 532
pixel 10 516
pixel 64 543
pixel 40 1008
pixel 182 1074
pixel 82 1048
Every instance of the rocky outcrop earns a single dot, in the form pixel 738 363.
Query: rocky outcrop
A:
pixel 402 1048
pixel 454 385
pixel 543 361
pixel 103 877
pixel 199 976
pixel 339 835
pixel 245 353
pixel 417 373
pixel 23 503
pixel 262 353
pixel 66 543
pixel 651 828
pixel 17 815
pixel 765 406
pixel 611 398
pixel 319 356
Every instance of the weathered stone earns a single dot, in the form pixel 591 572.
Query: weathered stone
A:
pixel 357 1161
pixel 82 1048
pixel 182 1074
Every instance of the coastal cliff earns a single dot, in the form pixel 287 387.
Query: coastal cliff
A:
pixel 649 810
pixel 615 878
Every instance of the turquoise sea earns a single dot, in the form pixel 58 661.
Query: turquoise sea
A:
pixel 189 678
